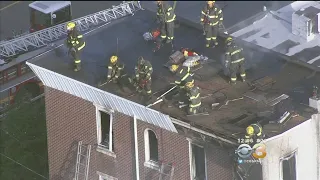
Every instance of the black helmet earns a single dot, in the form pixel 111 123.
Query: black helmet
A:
pixel 141 60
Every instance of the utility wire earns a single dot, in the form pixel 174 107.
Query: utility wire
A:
pixel 21 143
pixel 24 166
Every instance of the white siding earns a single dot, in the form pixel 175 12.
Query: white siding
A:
pixel 303 138
pixel 102 98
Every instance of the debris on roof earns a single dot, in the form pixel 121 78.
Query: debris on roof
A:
pixel 271 80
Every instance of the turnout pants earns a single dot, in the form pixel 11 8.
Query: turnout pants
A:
pixel 167 30
pixel 211 34
pixel 146 87
pixel 76 58
pixel 193 110
pixel 235 68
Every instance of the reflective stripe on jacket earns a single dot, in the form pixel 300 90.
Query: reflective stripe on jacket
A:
pixel 211 16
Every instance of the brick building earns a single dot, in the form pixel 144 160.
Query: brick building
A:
pixel 130 141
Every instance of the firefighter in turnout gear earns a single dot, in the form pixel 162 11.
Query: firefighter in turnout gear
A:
pixel 235 60
pixel 166 17
pixel 254 133
pixel 183 76
pixel 115 69
pixel 142 79
pixel 211 18
pixel 194 98
pixel 75 43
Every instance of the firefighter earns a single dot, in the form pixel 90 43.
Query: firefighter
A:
pixel 75 43
pixel 166 17
pixel 211 18
pixel 142 79
pixel 235 60
pixel 183 76
pixel 254 133
pixel 115 70
pixel 194 98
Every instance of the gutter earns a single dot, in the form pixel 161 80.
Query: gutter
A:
pixel 135 130
pixel 187 125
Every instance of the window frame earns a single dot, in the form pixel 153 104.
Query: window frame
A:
pixel 101 148
pixel 288 157
pixel 103 176
pixel 191 159
pixel 148 162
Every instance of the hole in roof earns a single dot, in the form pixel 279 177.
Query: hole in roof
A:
pixel 254 41
pixel 248 34
pixel 267 35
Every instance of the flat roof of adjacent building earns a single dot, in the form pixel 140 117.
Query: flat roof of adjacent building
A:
pixel 229 121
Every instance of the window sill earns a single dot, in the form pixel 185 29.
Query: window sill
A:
pixel 106 151
pixel 152 165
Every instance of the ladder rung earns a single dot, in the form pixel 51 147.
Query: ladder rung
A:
pixel 83 155
pixel 81 173
pixel 82 164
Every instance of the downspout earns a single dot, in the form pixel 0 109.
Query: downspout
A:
pixel 135 130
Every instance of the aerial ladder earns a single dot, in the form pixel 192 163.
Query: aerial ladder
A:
pixel 46 36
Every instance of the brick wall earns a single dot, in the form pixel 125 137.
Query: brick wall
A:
pixel 172 147
pixel 71 119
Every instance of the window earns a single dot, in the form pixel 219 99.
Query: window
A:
pixel 24 68
pixel 12 73
pixel 62 15
pixel 103 176
pixel 198 162
pixel 289 167
pixel 151 146
pixel 39 18
pixel 105 133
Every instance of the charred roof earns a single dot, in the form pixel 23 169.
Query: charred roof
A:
pixel 269 76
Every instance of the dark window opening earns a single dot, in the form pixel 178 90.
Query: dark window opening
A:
pixel 105 129
pixel 153 146
pixel 12 73
pixel 39 20
pixel 62 15
pixel 198 164
pixel 289 168
pixel 24 68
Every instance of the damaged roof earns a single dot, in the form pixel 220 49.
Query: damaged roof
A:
pixel 268 76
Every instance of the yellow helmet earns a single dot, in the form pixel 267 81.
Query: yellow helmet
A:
pixel 229 40
pixel 189 84
pixel 174 67
pixel 113 59
pixel 250 130
pixel 71 25
pixel 185 53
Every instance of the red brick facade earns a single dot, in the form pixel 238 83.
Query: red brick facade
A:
pixel 71 119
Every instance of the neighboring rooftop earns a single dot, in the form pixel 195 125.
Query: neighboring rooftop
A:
pixel 274 75
pixel 292 30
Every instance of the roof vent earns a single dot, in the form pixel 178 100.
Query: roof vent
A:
pixel 305 23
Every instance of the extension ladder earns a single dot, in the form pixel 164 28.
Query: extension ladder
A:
pixel 83 160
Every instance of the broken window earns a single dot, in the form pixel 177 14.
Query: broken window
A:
pixel 151 146
pixel 198 163
pixel 289 167
pixel 105 131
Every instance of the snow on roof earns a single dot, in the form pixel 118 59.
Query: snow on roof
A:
pixel 49 6
pixel 283 31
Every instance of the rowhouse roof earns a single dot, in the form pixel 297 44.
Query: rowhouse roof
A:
pixel 228 121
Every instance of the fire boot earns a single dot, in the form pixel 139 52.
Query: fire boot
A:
pixel 77 67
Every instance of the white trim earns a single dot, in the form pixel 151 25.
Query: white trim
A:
pixel 190 159
pixel 287 157
pixel 136 147
pixel 147 144
pixel 99 131
pixel 151 164
pixel 103 176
